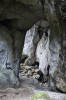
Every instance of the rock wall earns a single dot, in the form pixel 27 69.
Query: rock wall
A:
pixel 30 44
pixel 17 16
pixel 10 53
pixel 47 53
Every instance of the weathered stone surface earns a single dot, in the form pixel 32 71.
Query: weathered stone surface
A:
pixel 49 95
pixel 7 76
pixel 60 80
pixel 19 13
pixel 18 16
pixel 8 79
pixel 43 53
pixel 9 57
pixel 30 44
pixel 28 92
pixel 36 48
pixel 55 12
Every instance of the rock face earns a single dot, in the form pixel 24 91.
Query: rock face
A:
pixel 43 53
pixel 9 58
pixel 40 50
pixel 54 53
pixel 57 48
pixel 16 17
pixel 30 44
pixel 6 59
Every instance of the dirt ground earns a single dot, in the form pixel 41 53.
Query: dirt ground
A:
pixel 15 94
pixel 28 87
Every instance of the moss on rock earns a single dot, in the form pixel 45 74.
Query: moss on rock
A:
pixel 40 96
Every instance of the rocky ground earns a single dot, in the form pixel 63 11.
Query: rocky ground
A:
pixel 31 88
pixel 33 75
pixel 29 93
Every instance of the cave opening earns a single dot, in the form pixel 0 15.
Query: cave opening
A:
pixel 31 70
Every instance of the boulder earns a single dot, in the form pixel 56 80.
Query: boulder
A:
pixel 31 40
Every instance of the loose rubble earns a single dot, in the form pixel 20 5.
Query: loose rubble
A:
pixel 31 71
pixel 28 71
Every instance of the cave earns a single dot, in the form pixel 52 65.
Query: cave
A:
pixel 33 44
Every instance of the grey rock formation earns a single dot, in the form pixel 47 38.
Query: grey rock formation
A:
pixel 30 44
pixel 55 13
pixel 7 75
pixel 38 48
pixel 10 52
pixel 56 16
pixel 43 53
pixel 57 48
pixel 18 16
pixel 49 95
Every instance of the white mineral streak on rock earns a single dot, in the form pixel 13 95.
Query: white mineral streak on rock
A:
pixel 43 53
pixel 30 38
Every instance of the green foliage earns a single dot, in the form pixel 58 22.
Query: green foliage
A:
pixel 40 96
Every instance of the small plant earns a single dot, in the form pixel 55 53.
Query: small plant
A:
pixel 40 96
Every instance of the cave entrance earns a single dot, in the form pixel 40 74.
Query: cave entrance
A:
pixel 29 67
